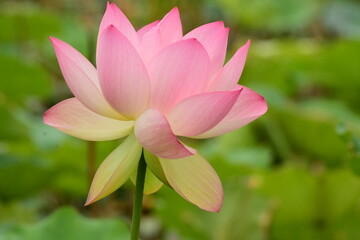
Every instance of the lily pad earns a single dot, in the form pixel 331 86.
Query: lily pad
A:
pixel 67 224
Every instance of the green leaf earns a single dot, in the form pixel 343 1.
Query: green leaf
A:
pixel 67 224
pixel 240 218
pixel 14 130
pixel 270 15
pixel 27 23
pixel 23 80
pixel 354 164
pixel 22 176
pixel 343 18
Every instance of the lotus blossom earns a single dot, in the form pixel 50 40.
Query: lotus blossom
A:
pixel 152 86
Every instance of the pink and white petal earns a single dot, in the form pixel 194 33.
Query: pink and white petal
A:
pixel 115 170
pixel 81 77
pixel 114 16
pixel 73 118
pixel 178 71
pixel 142 31
pixel 123 76
pixel 214 37
pixel 152 183
pixel 195 180
pixel 197 114
pixel 154 133
pixel 150 45
pixel 229 76
pixel 170 27
pixel 248 107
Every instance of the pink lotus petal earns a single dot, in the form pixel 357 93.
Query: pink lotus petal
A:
pixel 115 170
pixel 142 31
pixel 160 34
pixel 230 74
pixel 114 16
pixel 195 180
pixel 213 36
pixel 73 118
pixel 154 133
pixel 176 72
pixel 170 27
pixel 248 107
pixel 81 77
pixel 123 77
pixel 197 114
pixel 150 44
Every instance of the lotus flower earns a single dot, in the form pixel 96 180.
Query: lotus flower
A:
pixel 151 86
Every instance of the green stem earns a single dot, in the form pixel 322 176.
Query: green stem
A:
pixel 91 164
pixel 139 189
pixel 91 160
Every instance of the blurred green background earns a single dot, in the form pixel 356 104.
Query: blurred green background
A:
pixel 292 174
